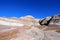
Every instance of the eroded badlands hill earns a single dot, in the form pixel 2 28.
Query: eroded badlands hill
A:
pixel 27 28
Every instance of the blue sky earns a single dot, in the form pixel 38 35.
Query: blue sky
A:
pixel 36 8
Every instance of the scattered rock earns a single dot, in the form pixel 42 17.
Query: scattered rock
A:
pixel 45 21
pixel 55 20
pixel 51 21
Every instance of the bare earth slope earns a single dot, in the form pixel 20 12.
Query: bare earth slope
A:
pixel 26 28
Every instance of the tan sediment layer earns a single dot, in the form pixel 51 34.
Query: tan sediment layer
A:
pixel 57 29
pixel 8 34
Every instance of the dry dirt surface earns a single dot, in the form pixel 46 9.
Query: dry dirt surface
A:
pixel 26 28
pixel 30 33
